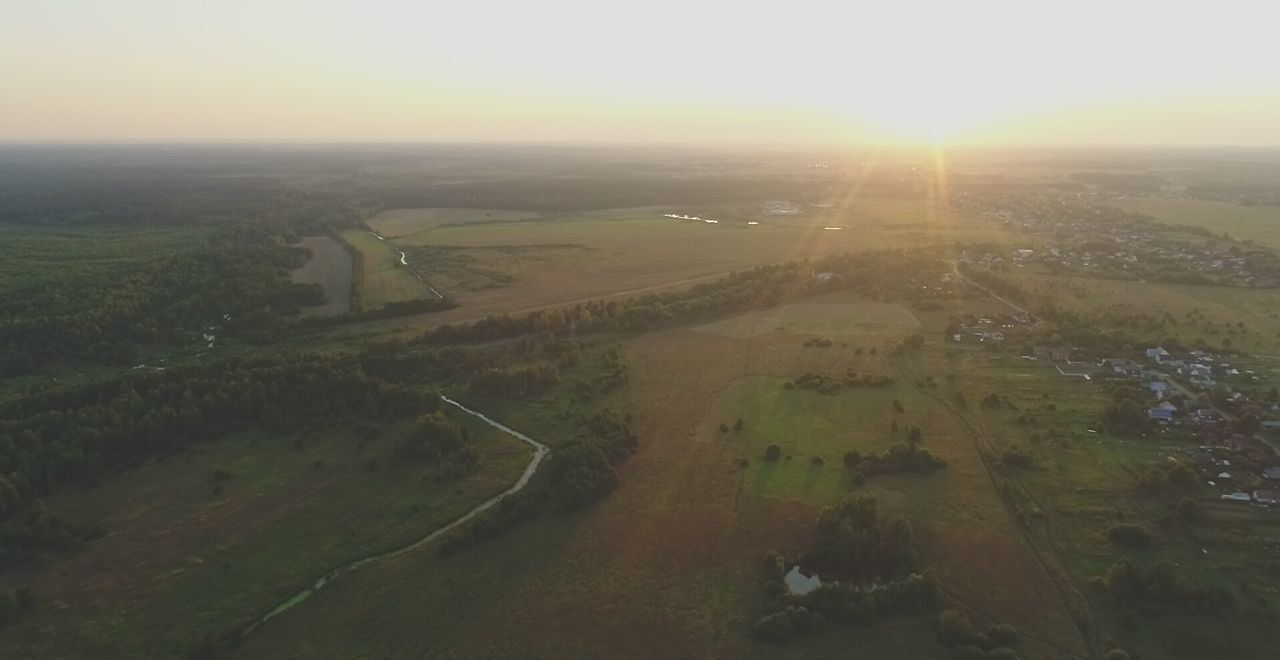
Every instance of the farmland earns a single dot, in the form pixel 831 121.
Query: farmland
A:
pixel 504 263
pixel 382 278
pixel 1260 224
pixel 330 267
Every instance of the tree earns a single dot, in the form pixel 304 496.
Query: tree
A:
pixel 8 605
pixel 772 453
pixel 737 426
pixel 952 626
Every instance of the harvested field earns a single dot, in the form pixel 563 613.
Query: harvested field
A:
pixel 330 267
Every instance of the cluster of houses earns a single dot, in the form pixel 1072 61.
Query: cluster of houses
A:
pixel 1113 243
pixel 989 329
pixel 1215 463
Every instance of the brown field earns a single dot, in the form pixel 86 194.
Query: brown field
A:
pixel 330 267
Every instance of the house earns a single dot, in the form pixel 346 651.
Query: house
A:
pixel 824 276
pixel 1158 354
pixel 1271 424
pixel 1160 414
pixel 1023 253
pixel 1271 473
pixel 1264 496
pixel 1060 353
pixel 1159 387
pixel 1238 497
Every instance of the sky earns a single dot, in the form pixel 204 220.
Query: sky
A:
pixel 716 71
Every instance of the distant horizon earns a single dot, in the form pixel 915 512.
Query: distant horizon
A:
pixel 988 73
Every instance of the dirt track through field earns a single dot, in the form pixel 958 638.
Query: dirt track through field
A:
pixel 540 452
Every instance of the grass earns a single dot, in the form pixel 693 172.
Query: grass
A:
pixel 181 559
pixel 515 261
pixel 383 279
pixel 1083 483
pixel 1247 317
pixel 1260 224
pixel 829 319
pixel 330 267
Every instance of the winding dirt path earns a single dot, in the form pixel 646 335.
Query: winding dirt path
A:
pixel 540 452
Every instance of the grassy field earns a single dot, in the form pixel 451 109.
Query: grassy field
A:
pixel 1248 318
pixel 186 554
pixel 507 264
pixel 330 267
pixel 1082 483
pixel 675 551
pixel 383 279
pixel 404 223
pixel 828 318
pixel 1260 224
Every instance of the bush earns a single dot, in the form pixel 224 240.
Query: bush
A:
pixel 773 453
pixel 1133 536
pixel 775 627
pixel 1003 634
pixel 816 460
pixel 952 626
pixel 1189 510
pixel 852 459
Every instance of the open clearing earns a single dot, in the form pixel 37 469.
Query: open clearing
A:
pixel 1249 318
pixel 1257 223
pixel 383 278
pixel 828 319
pixel 330 267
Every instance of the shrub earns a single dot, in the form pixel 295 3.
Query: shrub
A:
pixel 952 626
pixel 773 453
pixel 1133 536
pixel 852 459
pixel 816 460
pixel 1189 510
pixel 1003 634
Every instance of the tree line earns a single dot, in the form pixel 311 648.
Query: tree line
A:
pixel 883 275
pixel 578 473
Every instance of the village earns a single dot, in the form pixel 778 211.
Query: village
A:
pixel 1228 423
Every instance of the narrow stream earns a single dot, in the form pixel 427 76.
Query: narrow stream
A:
pixel 540 452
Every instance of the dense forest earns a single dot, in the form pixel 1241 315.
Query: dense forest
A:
pixel 232 281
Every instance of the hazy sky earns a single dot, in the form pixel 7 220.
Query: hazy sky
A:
pixel 1148 72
